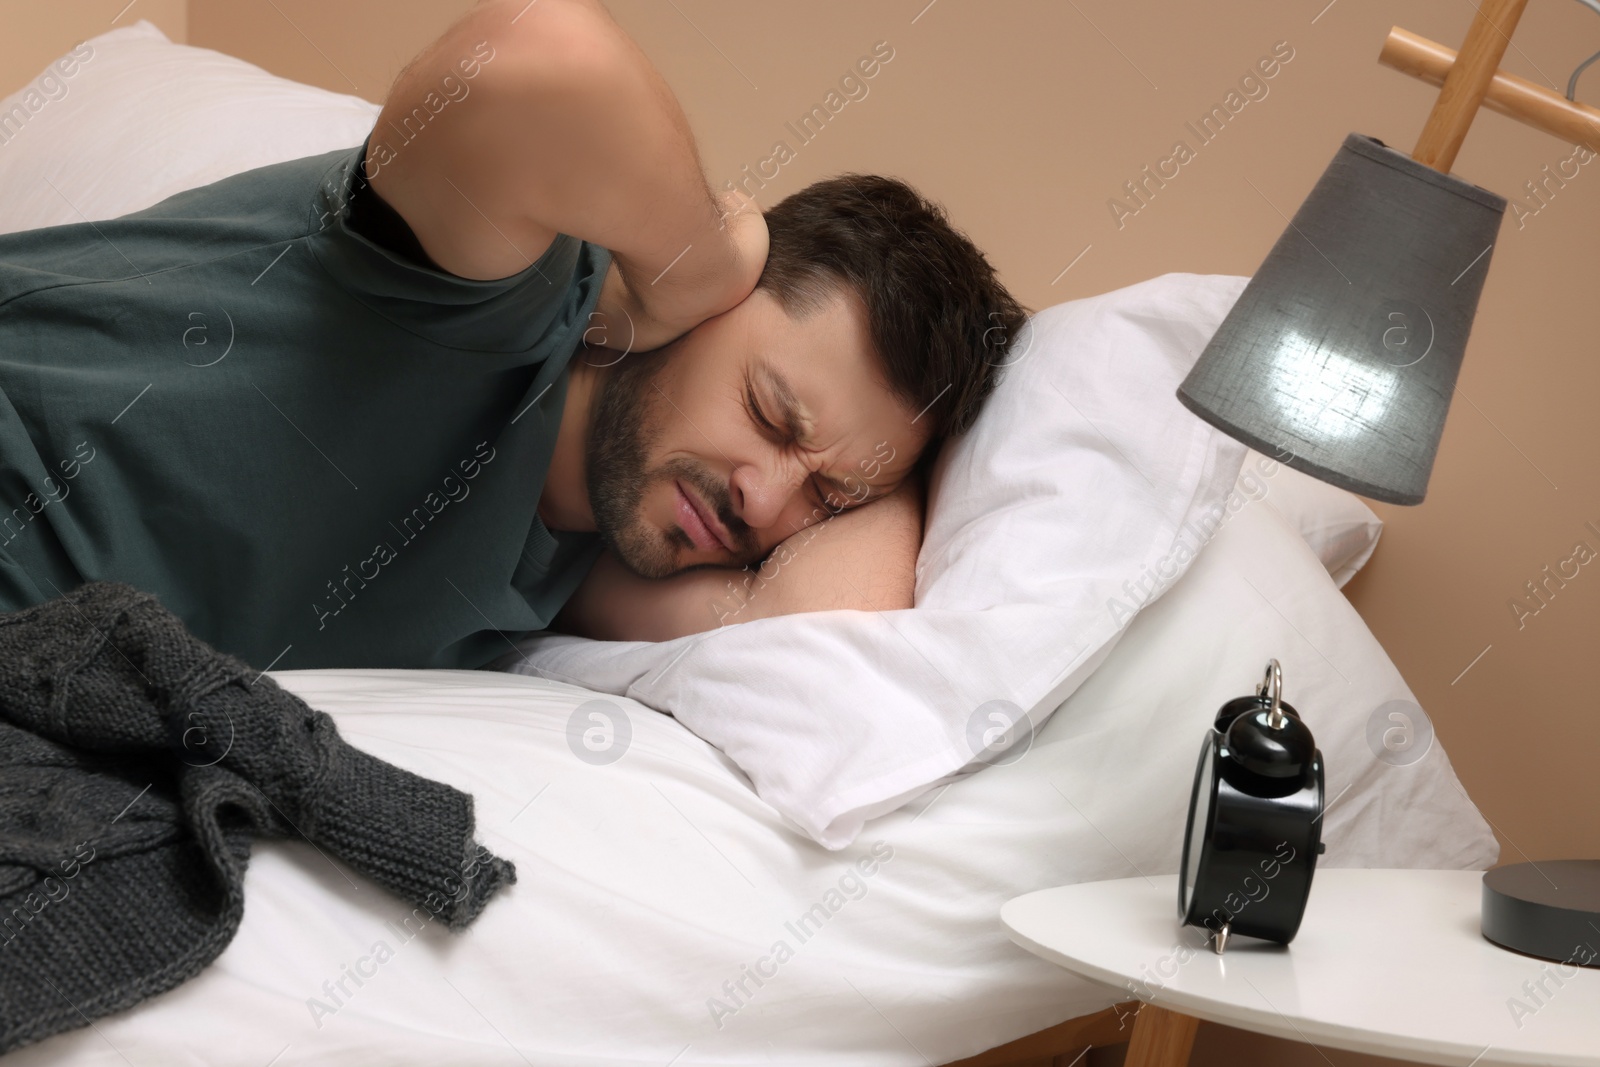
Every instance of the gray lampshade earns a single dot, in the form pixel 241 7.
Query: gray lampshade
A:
pixel 1340 356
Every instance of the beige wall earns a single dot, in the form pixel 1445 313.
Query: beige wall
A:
pixel 32 34
pixel 1024 117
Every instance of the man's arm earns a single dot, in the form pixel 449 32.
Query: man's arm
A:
pixel 565 127
pixel 863 558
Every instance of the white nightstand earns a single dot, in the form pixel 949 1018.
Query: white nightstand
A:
pixel 1386 962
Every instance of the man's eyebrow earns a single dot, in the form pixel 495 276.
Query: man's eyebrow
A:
pixel 788 403
pixel 789 419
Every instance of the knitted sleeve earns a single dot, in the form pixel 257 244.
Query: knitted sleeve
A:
pixel 106 668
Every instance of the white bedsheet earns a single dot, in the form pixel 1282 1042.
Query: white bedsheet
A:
pixel 646 884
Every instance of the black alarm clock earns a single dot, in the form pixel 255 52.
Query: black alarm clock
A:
pixel 1255 820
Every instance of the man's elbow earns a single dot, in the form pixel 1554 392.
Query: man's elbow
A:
pixel 569 54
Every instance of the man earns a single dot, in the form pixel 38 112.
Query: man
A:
pixel 501 360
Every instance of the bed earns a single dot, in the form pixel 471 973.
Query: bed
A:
pixel 649 886
pixel 665 913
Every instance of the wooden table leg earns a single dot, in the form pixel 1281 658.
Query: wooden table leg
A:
pixel 1161 1038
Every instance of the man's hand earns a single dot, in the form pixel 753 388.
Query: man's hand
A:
pixel 864 558
pixel 637 315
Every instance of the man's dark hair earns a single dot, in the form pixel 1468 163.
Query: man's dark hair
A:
pixel 940 319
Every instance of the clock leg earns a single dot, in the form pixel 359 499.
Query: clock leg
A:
pixel 1161 1038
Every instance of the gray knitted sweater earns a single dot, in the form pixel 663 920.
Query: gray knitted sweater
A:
pixel 136 764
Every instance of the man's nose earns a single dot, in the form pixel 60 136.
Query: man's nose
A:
pixel 761 493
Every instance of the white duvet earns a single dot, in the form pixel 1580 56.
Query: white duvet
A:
pixel 664 914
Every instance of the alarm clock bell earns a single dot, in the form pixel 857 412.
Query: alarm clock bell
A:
pixel 1254 828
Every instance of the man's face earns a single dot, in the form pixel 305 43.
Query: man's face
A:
pixel 677 444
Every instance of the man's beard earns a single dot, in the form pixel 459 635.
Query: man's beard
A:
pixel 623 430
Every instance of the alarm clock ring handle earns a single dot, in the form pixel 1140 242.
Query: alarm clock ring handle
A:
pixel 1271 688
pixel 1269 741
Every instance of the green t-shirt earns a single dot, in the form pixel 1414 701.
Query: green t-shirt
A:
pixel 314 451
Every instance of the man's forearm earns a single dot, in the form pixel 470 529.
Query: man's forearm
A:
pixel 862 559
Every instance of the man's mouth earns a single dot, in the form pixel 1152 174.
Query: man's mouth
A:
pixel 698 522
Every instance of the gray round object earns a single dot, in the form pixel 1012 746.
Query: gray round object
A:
pixel 1550 909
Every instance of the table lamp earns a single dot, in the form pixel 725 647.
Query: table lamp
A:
pixel 1341 355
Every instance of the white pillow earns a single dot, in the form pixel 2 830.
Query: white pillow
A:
pixel 140 118
pixel 1336 523
pixel 1080 494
